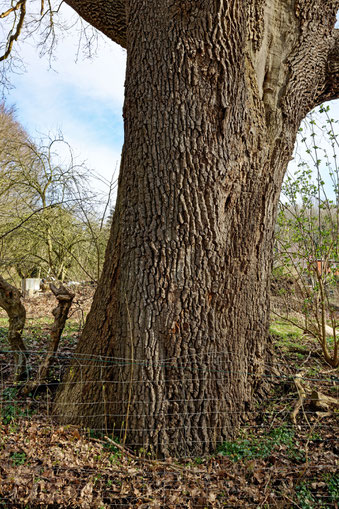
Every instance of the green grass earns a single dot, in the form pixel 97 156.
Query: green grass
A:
pixel 287 335
pixel 36 333
pixel 18 458
pixel 291 338
pixel 285 330
pixel 3 333
pixel 307 500
pixel 254 447
pixel 10 410
pixel 333 486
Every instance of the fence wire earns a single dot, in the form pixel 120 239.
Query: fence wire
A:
pixel 272 462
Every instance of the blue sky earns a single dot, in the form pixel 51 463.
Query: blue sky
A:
pixel 83 100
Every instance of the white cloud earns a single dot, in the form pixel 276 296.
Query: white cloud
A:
pixel 83 100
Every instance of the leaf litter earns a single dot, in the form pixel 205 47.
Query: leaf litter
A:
pixel 272 464
pixel 49 465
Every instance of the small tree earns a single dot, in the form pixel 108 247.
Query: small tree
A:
pixel 10 301
pixel 307 233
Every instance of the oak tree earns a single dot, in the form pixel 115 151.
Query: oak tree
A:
pixel 215 91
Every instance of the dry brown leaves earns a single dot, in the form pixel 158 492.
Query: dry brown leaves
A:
pixel 42 464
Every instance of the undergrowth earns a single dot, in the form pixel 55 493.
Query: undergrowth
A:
pixel 280 439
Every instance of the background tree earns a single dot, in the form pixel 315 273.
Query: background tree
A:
pixel 307 237
pixel 215 92
pixel 49 226
pixel 51 222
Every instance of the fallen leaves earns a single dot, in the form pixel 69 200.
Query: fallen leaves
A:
pixel 64 467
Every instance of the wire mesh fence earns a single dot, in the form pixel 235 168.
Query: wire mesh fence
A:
pixel 79 453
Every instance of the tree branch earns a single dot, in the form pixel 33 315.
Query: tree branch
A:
pixel 41 209
pixel 107 16
pixel 14 37
pixel 331 89
pixel 11 9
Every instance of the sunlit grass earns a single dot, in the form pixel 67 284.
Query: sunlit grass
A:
pixel 37 332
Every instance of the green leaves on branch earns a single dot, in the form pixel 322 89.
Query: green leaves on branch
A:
pixel 307 232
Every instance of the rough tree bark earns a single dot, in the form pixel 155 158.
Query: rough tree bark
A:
pixel 60 313
pixel 10 301
pixel 215 92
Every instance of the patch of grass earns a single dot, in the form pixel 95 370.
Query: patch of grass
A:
pixel 3 332
pixel 115 451
pixel 36 334
pixel 285 330
pixel 313 372
pixel 94 433
pixel 18 458
pixel 244 449
pixel 305 497
pixel 39 329
pixel 255 447
pixel 314 500
pixel 199 461
pixel 10 411
pixel 288 337
pixel 71 332
pixel 113 458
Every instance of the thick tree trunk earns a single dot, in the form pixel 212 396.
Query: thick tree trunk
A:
pixel 182 305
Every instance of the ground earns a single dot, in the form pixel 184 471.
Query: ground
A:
pixel 274 462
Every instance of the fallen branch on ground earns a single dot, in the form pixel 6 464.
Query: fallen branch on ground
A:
pixel 319 401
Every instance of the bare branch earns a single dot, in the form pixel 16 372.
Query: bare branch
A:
pixel 12 9
pixel 14 37
pixel 41 209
